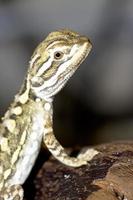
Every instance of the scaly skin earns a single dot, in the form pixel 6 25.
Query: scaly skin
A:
pixel 28 121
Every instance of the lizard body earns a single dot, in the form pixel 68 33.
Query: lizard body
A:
pixel 28 121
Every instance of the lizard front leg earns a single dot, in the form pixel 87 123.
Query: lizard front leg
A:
pixel 58 151
pixel 14 192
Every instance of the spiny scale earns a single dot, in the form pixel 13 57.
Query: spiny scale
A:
pixel 28 121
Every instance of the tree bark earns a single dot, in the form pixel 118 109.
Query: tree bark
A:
pixel 108 176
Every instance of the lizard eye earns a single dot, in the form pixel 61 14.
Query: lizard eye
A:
pixel 58 55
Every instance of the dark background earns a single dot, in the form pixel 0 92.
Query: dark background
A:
pixel 97 104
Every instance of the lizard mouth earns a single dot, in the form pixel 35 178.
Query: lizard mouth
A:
pixel 63 78
pixel 85 51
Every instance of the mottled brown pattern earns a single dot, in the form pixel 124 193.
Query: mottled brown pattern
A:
pixel 108 176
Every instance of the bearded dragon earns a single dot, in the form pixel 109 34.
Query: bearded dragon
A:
pixel 28 121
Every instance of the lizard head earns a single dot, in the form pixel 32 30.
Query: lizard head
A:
pixel 55 60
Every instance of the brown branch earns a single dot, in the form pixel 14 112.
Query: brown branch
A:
pixel 109 176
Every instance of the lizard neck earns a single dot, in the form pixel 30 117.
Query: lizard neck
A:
pixel 25 94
